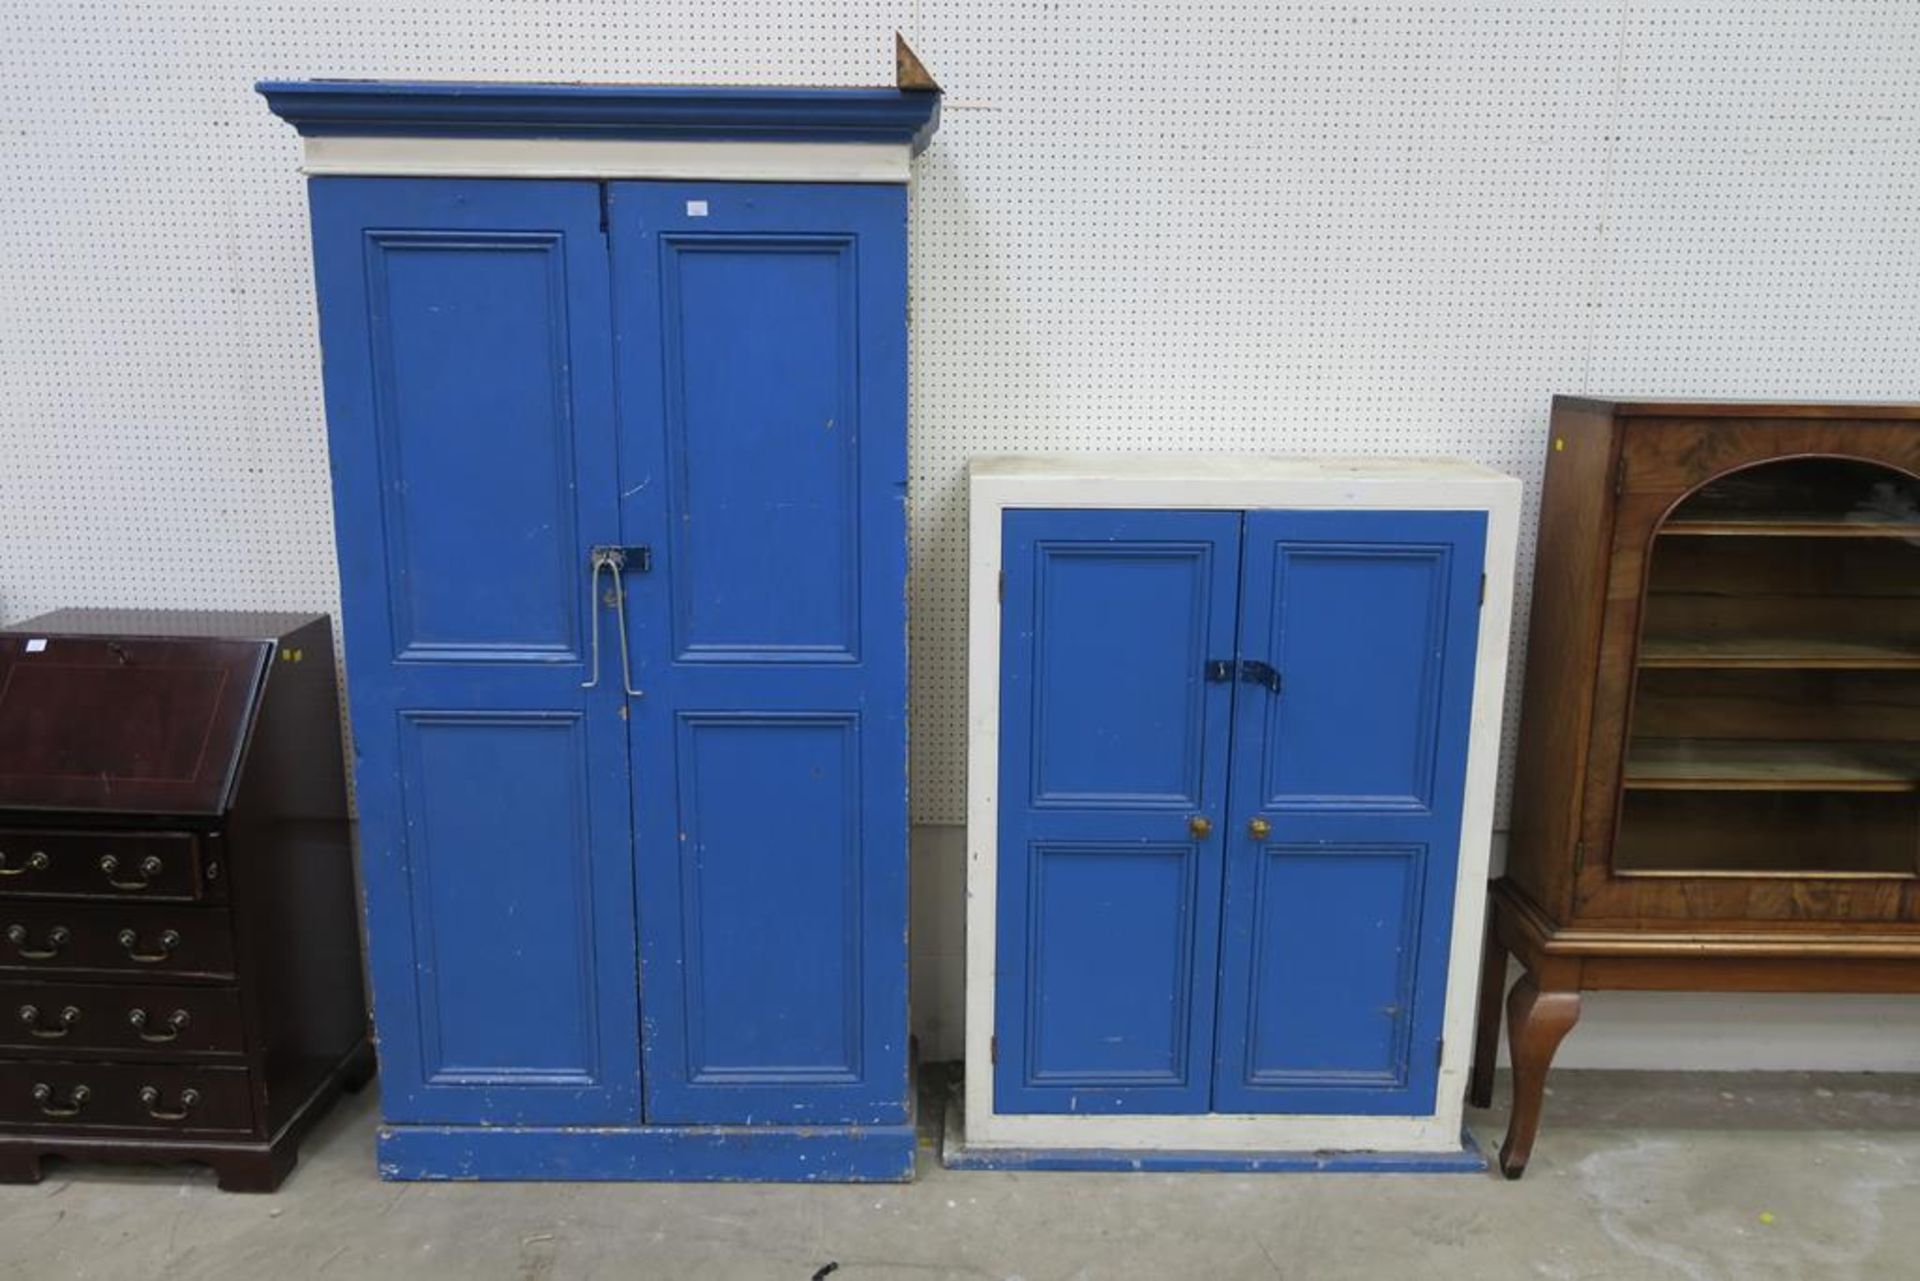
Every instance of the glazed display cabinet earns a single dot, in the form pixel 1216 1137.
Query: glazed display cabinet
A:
pixel 1718 784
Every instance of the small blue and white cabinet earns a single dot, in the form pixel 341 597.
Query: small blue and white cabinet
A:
pixel 616 400
pixel 1234 727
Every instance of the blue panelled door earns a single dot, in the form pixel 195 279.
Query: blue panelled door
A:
pixel 1299 683
pixel 1112 792
pixel 470 409
pixel 1346 800
pixel 762 380
pixel 711 377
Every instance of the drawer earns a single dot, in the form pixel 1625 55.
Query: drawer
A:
pixel 128 938
pixel 121 1017
pixel 156 865
pixel 69 1095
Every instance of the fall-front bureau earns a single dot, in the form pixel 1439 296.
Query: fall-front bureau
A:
pixel 179 961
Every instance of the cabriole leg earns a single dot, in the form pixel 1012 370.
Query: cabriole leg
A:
pixel 1486 1040
pixel 1537 1022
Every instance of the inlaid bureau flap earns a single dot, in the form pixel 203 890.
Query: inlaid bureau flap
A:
pixel 124 724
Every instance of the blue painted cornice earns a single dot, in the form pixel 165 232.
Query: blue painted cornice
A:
pixel 504 109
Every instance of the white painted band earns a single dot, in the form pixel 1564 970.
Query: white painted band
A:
pixel 608 158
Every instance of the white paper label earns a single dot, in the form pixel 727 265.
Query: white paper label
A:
pixel 35 646
pixel 696 208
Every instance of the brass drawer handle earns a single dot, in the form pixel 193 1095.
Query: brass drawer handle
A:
pixel 36 862
pixel 76 1100
pixel 56 939
pixel 30 1016
pixel 168 941
pixel 150 867
pixel 176 1021
pixel 150 1096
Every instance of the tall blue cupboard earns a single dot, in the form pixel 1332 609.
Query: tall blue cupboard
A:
pixel 616 400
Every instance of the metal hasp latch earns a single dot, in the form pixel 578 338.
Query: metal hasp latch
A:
pixel 615 563
pixel 1251 670
pixel 633 560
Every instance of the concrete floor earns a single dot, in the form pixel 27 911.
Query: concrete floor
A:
pixel 1637 1175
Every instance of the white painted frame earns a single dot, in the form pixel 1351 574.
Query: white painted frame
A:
pixel 719 161
pixel 1230 482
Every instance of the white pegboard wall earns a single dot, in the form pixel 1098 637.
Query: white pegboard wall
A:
pixel 1290 228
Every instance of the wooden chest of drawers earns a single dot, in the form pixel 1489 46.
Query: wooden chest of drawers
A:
pixel 179 954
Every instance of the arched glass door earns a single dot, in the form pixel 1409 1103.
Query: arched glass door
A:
pixel 1776 717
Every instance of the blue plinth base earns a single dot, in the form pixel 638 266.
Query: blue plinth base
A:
pixel 956 1155
pixel 667 1154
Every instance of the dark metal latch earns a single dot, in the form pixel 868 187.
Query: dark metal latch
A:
pixel 1246 669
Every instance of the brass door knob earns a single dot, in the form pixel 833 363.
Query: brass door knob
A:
pixel 1259 829
pixel 1201 826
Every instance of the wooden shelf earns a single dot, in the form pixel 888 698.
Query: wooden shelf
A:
pixel 1788 525
pixel 1755 765
pixel 1776 652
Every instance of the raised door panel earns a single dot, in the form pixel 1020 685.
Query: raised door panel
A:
pixel 762 386
pixel 1112 616
pixel 1334 949
pixel 1110 970
pixel 1347 802
pixel 1358 637
pixel 470 419
pixel 773 942
pixel 1113 742
pixel 762 416
pixel 498 844
pixel 469 335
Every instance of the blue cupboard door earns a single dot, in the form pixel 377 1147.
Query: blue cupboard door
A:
pixel 762 377
pixel 1338 919
pixel 1113 750
pixel 470 416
